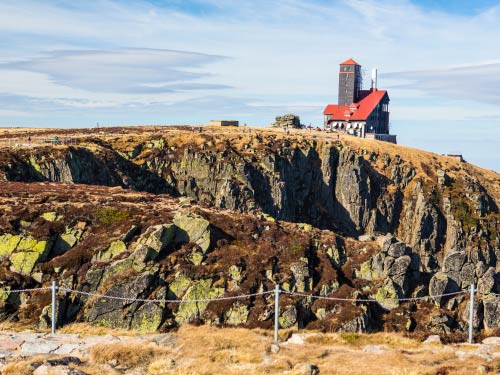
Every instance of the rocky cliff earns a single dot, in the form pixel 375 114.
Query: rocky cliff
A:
pixel 176 214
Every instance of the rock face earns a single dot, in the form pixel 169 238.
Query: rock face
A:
pixel 425 227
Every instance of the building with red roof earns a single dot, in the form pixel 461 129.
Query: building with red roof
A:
pixel 362 113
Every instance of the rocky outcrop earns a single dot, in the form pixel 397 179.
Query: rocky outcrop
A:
pixel 368 224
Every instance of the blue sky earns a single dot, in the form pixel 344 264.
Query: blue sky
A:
pixel 73 64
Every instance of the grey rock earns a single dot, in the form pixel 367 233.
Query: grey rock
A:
pixel 400 266
pixel 397 249
pixel 66 349
pixel 491 313
pixel 486 283
pixel 39 347
pixel 467 275
pixel 454 262
pixel 441 284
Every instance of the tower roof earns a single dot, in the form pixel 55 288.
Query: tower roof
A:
pixel 350 62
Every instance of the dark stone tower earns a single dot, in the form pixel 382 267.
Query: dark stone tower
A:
pixel 350 82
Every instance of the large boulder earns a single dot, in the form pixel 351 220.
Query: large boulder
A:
pixel 153 241
pixel 199 291
pixel 454 262
pixel 441 284
pixel 488 282
pixel 111 312
pixel 397 249
pixel 194 229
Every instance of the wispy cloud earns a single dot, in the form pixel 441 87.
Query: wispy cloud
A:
pixel 131 70
pixel 476 82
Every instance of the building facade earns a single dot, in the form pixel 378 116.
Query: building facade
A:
pixel 361 113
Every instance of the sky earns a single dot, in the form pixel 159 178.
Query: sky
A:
pixel 132 62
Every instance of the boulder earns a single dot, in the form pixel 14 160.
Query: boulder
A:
pixel 193 229
pixel 153 241
pixel 114 249
pixel 237 315
pixel 387 295
pixel 487 283
pixel 358 324
pixel 385 242
pixel 400 266
pixel 147 318
pixel 288 318
pixel 397 249
pixel 468 275
pixel 200 291
pixel 441 284
pixel 491 313
pixel 454 262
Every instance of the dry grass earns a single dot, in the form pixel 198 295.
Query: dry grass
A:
pixel 208 350
pixel 126 355
pixel 84 329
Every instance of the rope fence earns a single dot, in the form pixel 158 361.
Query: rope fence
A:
pixel 276 292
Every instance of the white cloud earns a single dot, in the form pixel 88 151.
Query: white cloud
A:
pixel 123 70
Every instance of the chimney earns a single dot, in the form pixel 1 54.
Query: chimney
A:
pixel 374 79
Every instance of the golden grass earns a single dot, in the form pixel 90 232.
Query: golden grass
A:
pixel 84 329
pixel 18 368
pixel 127 355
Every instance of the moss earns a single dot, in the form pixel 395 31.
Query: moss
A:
pixel 28 253
pixel 266 217
pixel 179 286
pixel 191 311
pixel 387 295
pixel 4 293
pixel 35 165
pixel 117 267
pixel 109 215
pixel 147 319
pixel 116 247
pixel 237 315
pixel 196 258
pixel 49 216
pixel 8 244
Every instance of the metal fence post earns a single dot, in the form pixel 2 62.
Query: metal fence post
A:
pixel 276 311
pixel 54 306
pixel 471 312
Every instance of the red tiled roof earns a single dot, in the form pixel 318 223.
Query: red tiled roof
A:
pixel 350 62
pixel 365 107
